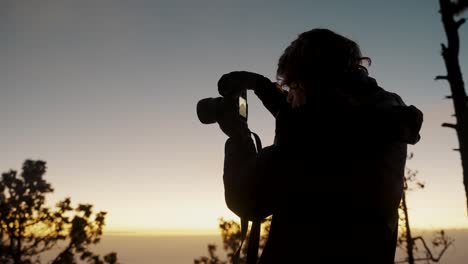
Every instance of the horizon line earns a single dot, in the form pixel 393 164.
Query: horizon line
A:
pixel 164 232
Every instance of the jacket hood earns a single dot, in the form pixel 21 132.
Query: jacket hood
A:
pixel 357 93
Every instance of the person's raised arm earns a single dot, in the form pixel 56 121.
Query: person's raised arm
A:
pixel 271 95
pixel 250 177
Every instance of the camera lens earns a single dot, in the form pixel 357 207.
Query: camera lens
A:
pixel 207 110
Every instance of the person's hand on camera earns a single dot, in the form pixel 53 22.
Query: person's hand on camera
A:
pixel 236 81
pixel 230 122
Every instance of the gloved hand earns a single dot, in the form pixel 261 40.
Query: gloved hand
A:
pixel 231 123
pixel 236 81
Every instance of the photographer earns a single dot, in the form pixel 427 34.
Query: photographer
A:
pixel 333 178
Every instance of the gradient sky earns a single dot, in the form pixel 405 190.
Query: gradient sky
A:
pixel 105 92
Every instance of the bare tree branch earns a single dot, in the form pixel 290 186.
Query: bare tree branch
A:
pixel 441 77
pixel 450 54
pixel 459 6
pixel 446 245
pixel 454 126
pixel 460 22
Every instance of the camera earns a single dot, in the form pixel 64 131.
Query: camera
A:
pixel 234 105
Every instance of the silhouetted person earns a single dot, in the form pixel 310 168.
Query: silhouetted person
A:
pixel 333 178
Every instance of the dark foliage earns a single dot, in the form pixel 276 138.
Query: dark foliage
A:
pixel 28 227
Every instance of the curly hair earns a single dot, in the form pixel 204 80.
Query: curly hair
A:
pixel 318 54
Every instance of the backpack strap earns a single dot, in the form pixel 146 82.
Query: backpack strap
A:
pixel 254 236
pixel 258 142
pixel 254 242
pixel 244 227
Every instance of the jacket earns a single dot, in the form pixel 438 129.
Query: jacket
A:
pixel 333 179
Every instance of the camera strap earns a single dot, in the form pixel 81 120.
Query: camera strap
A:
pixel 254 237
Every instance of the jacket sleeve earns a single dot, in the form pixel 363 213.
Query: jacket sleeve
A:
pixel 250 178
pixel 271 96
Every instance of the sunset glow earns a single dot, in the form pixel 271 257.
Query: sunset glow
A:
pixel 105 93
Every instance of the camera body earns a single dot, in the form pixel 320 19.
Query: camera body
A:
pixel 233 105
